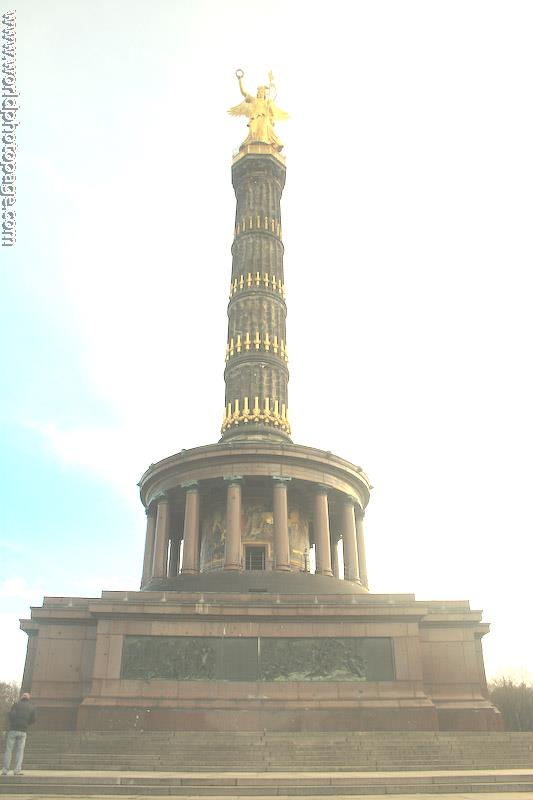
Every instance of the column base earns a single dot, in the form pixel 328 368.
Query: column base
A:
pixel 283 568
pixel 189 572
pixel 232 568
pixel 327 572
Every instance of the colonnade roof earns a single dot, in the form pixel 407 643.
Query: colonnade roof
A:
pixel 259 459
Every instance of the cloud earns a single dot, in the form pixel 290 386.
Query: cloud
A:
pixel 111 454
pixel 17 588
pixel 13 647
pixel 16 595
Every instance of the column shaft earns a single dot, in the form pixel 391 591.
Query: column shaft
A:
pixel 148 546
pixel 282 558
pixel 233 527
pixel 174 556
pixel 351 561
pixel 335 558
pixel 360 535
pixel 322 541
pixel 162 527
pixel 191 531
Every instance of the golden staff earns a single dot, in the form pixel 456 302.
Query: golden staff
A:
pixel 271 86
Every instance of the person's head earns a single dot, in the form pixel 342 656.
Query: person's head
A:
pixel 25 696
pixel 261 92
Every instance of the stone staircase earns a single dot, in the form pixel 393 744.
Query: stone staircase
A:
pixel 261 785
pixel 194 764
pixel 273 752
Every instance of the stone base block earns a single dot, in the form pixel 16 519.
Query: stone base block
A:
pixel 54 718
pixel 258 661
pixel 484 718
pixel 280 719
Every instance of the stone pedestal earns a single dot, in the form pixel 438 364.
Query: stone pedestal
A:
pixel 386 662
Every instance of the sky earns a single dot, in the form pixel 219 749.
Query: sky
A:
pixel 407 228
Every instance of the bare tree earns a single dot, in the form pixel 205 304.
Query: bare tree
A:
pixel 515 702
pixel 9 694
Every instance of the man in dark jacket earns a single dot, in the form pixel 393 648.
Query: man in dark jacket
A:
pixel 21 716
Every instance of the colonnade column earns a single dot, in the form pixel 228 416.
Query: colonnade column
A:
pixel 174 556
pixel 349 545
pixel 360 536
pixel 335 557
pixel 148 545
pixel 233 524
pixel 321 525
pixel 282 557
pixel 191 528
pixel 162 528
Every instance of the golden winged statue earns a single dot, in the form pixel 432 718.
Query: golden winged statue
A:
pixel 261 111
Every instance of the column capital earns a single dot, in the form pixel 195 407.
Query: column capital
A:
pixel 232 480
pixel 359 512
pixel 280 480
pixel 150 509
pixel 321 488
pixel 349 500
pixel 162 497
pixel 189 485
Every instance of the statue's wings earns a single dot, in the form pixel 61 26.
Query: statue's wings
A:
pixel 277 113
pixel 244 109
